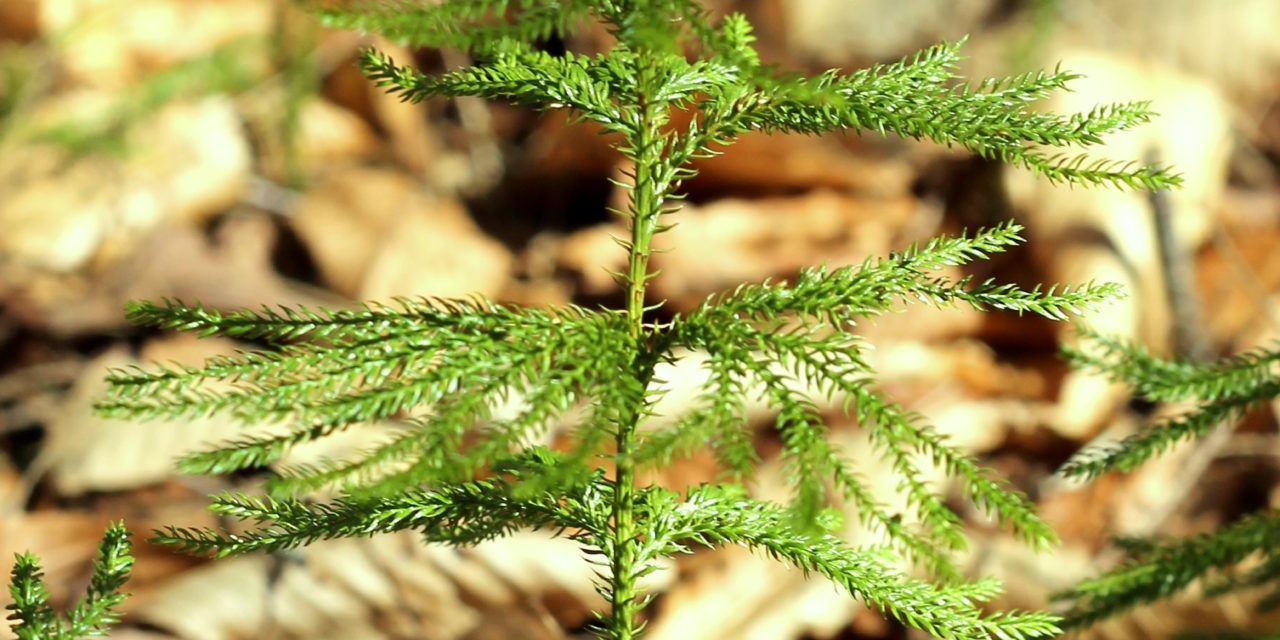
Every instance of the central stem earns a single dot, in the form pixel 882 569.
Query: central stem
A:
pixel 645 209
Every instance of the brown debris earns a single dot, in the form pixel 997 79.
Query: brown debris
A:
pixel 186 200
pixel 377 233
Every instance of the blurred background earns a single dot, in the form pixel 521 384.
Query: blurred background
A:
pixel 227 151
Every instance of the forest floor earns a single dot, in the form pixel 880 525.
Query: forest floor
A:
pixel 228 152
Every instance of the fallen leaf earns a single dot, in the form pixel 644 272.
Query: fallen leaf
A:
pixel 231 271
pixel 835 31
pixel 86 452
pixel 329 134
pixel 188 162
pixel 325 136
pixel 194 157
pixel 802 163
pixel 19 19
pixel 377 233
pixel 744 241
pixel 388 586
pixel 115 42
pixel 1230 44
pixel 415 143
pixel 436 250
pixel 65 541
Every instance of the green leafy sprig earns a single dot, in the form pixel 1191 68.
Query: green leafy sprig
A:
pixel 1158 569
pixel 34 619
pixel 1223 391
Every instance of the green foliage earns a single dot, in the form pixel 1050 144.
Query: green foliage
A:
pixel 92 615
pixel 1156 570
pixel 805 328
pixel 1223 391
pixel 1241 555
pixel 459 473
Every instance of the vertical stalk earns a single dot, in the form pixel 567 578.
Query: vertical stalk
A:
pixel 645 209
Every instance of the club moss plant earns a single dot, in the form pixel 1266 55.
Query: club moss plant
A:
pixel 1239 558
pixel 459 473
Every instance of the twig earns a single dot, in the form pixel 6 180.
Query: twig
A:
pixel 1189 340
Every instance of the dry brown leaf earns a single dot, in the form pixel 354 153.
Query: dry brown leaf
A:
pixel 812 609
pixel 329 134
pixel 1240 272
pixel 1080 513
pixel 344 218
pixel 744 241
pixel 734 593
pixel 1268 338
pixel 66 543
pixel 801 163
pixel 837 31
pixel 731 593
pixel 722 596
pixel 11 488
pixel 31 395
pixel 1191 133
pixel 220 601
pixel 64 540
pixel 560 577
pixel 187 163
pixel 935 380
pixel 590 255
pixel 1147 499
pixel 1028 575
pixel 1086 401
pixel 54 220
pixel 388 586
pixel 973 365
pixel 1231 44
pixel 414 143
pixel 127 633
pixel 116 42
pixel 19 19
pixel 377 233
pixel 436 250
pixel 233 271
pixel 193 157
pixel 89 453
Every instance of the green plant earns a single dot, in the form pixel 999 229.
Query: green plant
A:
pixel 93 615
pixel 459 475
pixel 1158 569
